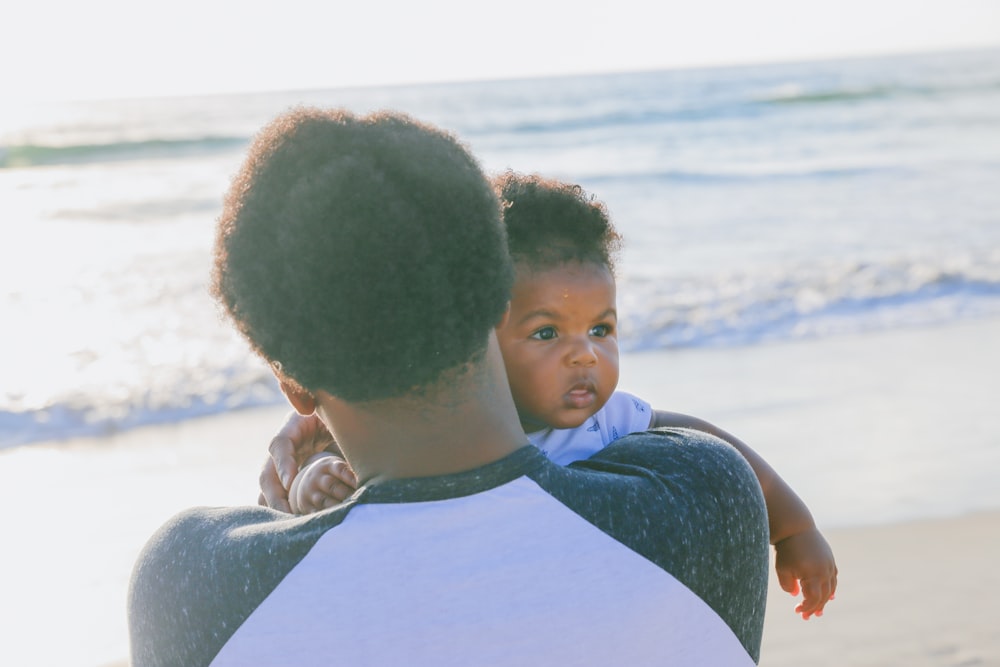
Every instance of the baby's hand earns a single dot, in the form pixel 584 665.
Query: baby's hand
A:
pixel 322 483
pixel 301 438
pixel 805 562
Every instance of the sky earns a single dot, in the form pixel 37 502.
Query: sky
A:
pixel 67 49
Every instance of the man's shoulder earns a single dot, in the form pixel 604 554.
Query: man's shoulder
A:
pixel 688 502
pixel 203 541
pixel 198 532
pixel 677 450
pixel 684 471
pixel 216 565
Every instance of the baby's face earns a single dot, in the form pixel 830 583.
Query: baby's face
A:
pixel 560 344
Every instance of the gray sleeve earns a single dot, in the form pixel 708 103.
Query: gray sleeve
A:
pixel 688 502
pixel 204 572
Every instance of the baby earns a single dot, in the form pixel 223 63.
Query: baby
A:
pixel 560 346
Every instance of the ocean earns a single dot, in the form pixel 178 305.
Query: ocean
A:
pixel 758 204
pixel 812 261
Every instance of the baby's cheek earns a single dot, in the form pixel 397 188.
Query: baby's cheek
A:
pixel 523 384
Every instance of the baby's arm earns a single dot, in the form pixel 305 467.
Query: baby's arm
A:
pixel 803 558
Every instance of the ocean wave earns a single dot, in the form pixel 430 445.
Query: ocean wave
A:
pixel 86 416
pixel 32 155
pixel 658 312
pixel 599 180
pixel 795 94
pixel 148 210
pixel 748 102
pixel 630 118
pixel 813 302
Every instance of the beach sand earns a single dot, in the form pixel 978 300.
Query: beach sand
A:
pixel 918 594
pixel 910 505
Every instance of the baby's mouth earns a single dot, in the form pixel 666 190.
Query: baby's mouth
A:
pixel 581 395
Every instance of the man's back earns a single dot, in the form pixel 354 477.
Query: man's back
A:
pixel 655 549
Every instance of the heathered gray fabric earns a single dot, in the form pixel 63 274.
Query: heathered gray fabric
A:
pixel 690 503
pixel 683 500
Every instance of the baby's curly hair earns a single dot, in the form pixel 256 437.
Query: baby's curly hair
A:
pixel 549 222
pixel 363 256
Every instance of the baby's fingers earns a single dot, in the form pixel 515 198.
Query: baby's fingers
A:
pixel 338 480
pixel 815 594
pixel 338 492
pixel 788 582
pixel 343 472
pixel 319 500
pixel 317 494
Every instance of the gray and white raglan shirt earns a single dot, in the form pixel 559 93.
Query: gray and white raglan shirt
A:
pixel 653 551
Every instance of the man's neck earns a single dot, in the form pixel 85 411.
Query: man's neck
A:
pixel 475 425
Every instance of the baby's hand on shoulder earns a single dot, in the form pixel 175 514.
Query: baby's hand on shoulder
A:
pixel 804 563
pixel 323 482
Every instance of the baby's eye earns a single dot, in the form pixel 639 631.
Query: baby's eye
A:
pixel 545 333
pixel 601 330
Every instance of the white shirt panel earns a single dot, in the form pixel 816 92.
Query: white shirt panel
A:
pixel 403 584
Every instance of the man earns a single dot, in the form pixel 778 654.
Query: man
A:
pixel 364 258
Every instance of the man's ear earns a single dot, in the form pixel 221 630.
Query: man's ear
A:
pixel 303 402
pixel 503 320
